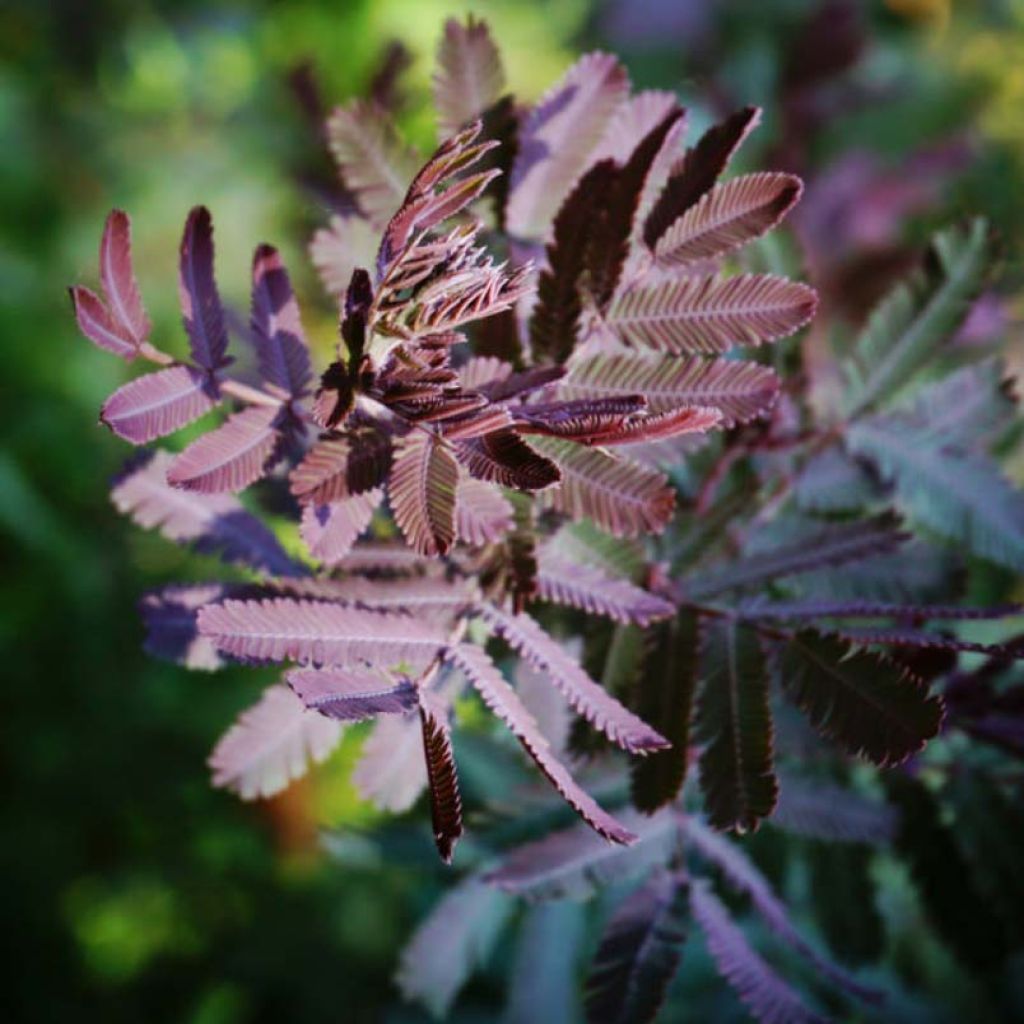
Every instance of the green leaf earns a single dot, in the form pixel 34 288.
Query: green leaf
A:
pixel 666 703
pixel 960 495
pixel 867 704
pixel 917 316
pixel 734 720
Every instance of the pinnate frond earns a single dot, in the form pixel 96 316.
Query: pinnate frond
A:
pixel 696 173
pixel 867 704
pixel 505 458
pixel 482 514
pixel 422 492
pixel 329 531
pixel 768 998
pixel 443 780
pixel 734 720
pixel 197 288
pixel 502 700
pixel 639 952
pixel 469 76
pixel 272 744
pixel 276 326
pixel 117 275
pixel 157 404
pixel 710 314
pixel 316 633
pixel 557 140
pixel 587 698
pixel 564 582
pixel 99 325
pixel 213 522
pixel 727 217
pixel 621 497
pixel 351 694
pixel 740 389
pixel 342 466
pixel 236 454
pixel 372 161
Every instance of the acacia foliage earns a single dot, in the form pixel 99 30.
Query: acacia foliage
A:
pixel 554 385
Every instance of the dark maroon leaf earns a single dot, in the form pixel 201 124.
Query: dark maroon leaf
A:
pixel 443 780
pixel 197 288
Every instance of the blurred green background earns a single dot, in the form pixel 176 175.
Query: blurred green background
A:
pixel 133 891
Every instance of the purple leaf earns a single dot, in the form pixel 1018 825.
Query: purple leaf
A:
pixel 340 467
pixel 330 530
pixel 351 694
pixel 824 811
pixel 769 999
pixel 575 863
pixel 271 744
pixel 236 454
pixel 640 950
pixel 728 217
pixel 586 697
pixel 734 720
pixel 557 139
pixel 469 76
pixel 391 771
pixel 99 326
pixel 118 278
pixel 622 498
pixel 422 492
pixel 443 780
pixel 214 522
pixel 502 700
pixel 158 403
pixel 277 329
pixel 455 938
pixel 482 515
pixel 169 616
pixel 505 458
pixel 741 874
pixel 316 633
pixel 197 287
pixel 708 314
pixel 740 389
pixel 697 172
pixel 580 586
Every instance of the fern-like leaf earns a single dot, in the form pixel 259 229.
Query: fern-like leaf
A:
pixel 711 314
pixel 276 327
pixel 906 329
pixel 727 217
pixel 422 492
pixel 867 704
pixel 768 998
pixel 482 514
pixel 330 530
pixel 469 76
pixel 586 697
pixel 557 139
pixel 619 496
pixel 696 173
pixel 231 457
pixel 341 467
pixel 272 744
pixel 734 720
pixel 666 690
pixel 564 582
pixel 741 390
pixel 352 694
pixel 505 458
pixel 639 952
pixel 316 633
pixel 157 404
pixel 502 700
pixel 117 275
pixel 445 799
pixel 197 288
